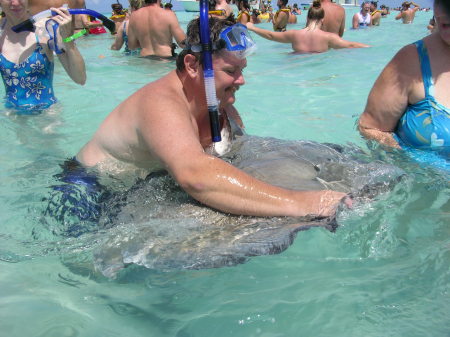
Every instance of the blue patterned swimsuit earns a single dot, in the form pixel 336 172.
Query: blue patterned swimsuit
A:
pixel 29 84
pixel 425 124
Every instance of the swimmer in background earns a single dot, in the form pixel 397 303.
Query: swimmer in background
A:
pixel 310 39
pixel 296 10
pixel 255 17
pixel 409 103
pixel 281 17
pixel 334 21
pixel 168 6
pixel 384 11
pixel 118 15
pixel 407 13
pixel 244 11
pixel 264 15
pixel 165 126
pixel 292 17
pixel 375 13
pixel 122 34
pixel 362 19
pixel 27 62
pixel 153 29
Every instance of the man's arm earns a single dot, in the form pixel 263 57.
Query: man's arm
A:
pixel 283 37
pixel 336 42
pixel 388 99
pixel 399 16
pixel 172 138
pixel 355 22
pixel 177 31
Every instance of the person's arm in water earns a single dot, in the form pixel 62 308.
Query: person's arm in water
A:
pixel 71 59
pixel 355 22
pixel 388 99
pixel 177 32
pixel 171 135
pixel 118 41
pixel 335 42
pixel 283 37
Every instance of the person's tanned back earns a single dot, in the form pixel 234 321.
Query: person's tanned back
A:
pixel 153 29
pixel 334 21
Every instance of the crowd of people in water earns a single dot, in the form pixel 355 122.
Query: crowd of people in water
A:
pixel 407 106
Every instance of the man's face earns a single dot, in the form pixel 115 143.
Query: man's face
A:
pixel 366 8
pixel 228 76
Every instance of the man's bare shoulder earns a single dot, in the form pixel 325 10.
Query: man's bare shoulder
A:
pixel 164 92
pixel 333 6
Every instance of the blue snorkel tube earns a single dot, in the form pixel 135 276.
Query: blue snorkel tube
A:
pixel 208 72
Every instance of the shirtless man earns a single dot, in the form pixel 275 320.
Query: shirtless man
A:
pixel 310 39
pixel 153 29
pixel 334 21
pixel 407 13
pixel 281 17
pixel 165 125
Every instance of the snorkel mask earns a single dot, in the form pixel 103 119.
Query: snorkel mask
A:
pixel 235 39
pixel 54 40
pixel 238 40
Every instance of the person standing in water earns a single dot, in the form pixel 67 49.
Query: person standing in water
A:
pixel 153 29
pixel 165 126
pixel 281 17
pixel 311 39
pixel 362 19
pixel 122 33
pixel 409 104
pixel 407 14
pixel 26 60
pixel 334 21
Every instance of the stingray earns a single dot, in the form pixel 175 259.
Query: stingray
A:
pixel 157 225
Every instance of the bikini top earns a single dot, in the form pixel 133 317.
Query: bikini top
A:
pixel 29 84
pixel 425 124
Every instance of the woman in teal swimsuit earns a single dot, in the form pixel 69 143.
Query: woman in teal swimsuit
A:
pixel 26 61
pixel 409 105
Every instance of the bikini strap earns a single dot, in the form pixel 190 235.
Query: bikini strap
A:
pixel 425 67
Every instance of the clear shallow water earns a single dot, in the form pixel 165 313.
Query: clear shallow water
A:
pixel 385 272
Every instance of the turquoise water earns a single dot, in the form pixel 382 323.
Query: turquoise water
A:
pixel 385 272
